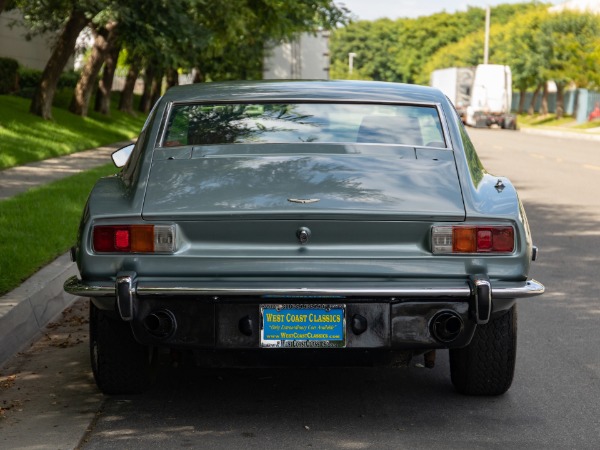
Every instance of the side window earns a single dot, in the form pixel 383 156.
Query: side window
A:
pixel 129 172
pixel 131 169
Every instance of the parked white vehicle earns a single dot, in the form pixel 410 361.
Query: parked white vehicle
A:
pixel 491 97
pixel 482 95
pixel 456 83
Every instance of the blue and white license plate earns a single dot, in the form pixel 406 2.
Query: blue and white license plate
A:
pixel 303 326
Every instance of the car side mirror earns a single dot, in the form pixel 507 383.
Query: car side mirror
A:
pixel 121 156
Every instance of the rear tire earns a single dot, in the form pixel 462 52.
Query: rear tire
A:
pixel 487 365
pixel 120 364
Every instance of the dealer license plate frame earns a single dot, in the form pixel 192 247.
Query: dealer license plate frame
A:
pixel 314 326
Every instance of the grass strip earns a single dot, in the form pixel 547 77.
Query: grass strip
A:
pixel 26 138
pixel 41 224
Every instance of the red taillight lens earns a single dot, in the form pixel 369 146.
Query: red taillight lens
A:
pixel 134 238
pixel 471 239
pixel 122 240
pixel 503 239
pixel 484 240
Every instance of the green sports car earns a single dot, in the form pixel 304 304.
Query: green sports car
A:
pixel 303 221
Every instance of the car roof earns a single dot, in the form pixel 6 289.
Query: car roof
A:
pixel 340 90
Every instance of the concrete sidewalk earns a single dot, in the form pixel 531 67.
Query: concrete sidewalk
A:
pixel 20 179
pixel 25 311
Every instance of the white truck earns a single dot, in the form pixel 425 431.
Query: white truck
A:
pixel 456 83
pixel 482 95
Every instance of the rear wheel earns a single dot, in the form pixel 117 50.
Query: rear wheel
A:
pixel 486 366
pixel 120 364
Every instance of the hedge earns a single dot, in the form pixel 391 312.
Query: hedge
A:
pixel 29 79
pixel 8 75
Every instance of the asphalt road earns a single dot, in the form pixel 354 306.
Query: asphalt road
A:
pixel 554 401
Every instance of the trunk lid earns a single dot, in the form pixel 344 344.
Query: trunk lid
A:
pixel 365 182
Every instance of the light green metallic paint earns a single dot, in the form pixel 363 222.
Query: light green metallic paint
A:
pixel 395 205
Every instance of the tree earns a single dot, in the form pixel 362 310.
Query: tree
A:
pixel 221 40
pixel 407 50
pixel 103 93
pixel 518 48
pixel 68 16
pixel 567 40
pixel 126 99
pixel 105 39
pixel 165 36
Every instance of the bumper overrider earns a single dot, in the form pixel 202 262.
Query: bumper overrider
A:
pixel 395 315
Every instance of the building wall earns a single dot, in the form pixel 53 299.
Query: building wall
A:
pixel 34 53
pixel 306 58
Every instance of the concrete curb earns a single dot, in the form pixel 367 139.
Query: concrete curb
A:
pixel 561 134
pixel 25 311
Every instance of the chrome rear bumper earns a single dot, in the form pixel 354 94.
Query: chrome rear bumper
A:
pixel 459 290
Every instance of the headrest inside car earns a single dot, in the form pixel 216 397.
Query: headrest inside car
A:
pixel 390 130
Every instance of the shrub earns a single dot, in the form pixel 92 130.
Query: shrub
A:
pixel 69 79
pixel 29 79
pixel 8 75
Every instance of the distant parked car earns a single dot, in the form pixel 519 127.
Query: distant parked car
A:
pixel 295 219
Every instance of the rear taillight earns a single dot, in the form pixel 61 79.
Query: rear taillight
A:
pixel 134 238
pixel 472 239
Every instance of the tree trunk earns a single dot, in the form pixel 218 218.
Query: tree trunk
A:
pixel 41 104
pixel 147 94
pixel 104 40
pixel 126 100
pixel 534 98
pixel 172 77
pixel 156 90
pixel 522 97
pixel 198 76
pixel 105 87
pixel 560 100
pixel 544 107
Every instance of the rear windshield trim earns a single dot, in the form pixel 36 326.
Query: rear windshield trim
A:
pixel 170 107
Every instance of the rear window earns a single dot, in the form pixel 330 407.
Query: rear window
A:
pixel 213 124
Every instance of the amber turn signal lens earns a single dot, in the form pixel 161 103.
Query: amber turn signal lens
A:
pixel 463 240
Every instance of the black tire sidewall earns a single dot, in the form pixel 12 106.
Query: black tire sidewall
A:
pixel 486 366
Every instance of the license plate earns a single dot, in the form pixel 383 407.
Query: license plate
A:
pixel 303 326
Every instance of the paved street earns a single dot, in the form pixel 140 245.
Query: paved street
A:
pixel 554 401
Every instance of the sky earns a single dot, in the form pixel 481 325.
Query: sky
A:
pixel 393 9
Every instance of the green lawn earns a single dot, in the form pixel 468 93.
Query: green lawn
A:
pixel 41 224
pixel 25 138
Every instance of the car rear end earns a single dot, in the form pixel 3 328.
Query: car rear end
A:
pixel 332 226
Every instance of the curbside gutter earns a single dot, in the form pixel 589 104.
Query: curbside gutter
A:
pixel 25 311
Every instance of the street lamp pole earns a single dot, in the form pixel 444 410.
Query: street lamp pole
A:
pixel 351 57
pixel 487 35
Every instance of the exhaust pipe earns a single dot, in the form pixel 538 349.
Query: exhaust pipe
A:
pixel 160 324
pixel 446 326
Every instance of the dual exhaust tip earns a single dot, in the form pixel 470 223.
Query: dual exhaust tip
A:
pixel 446 326
pixel 161 324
